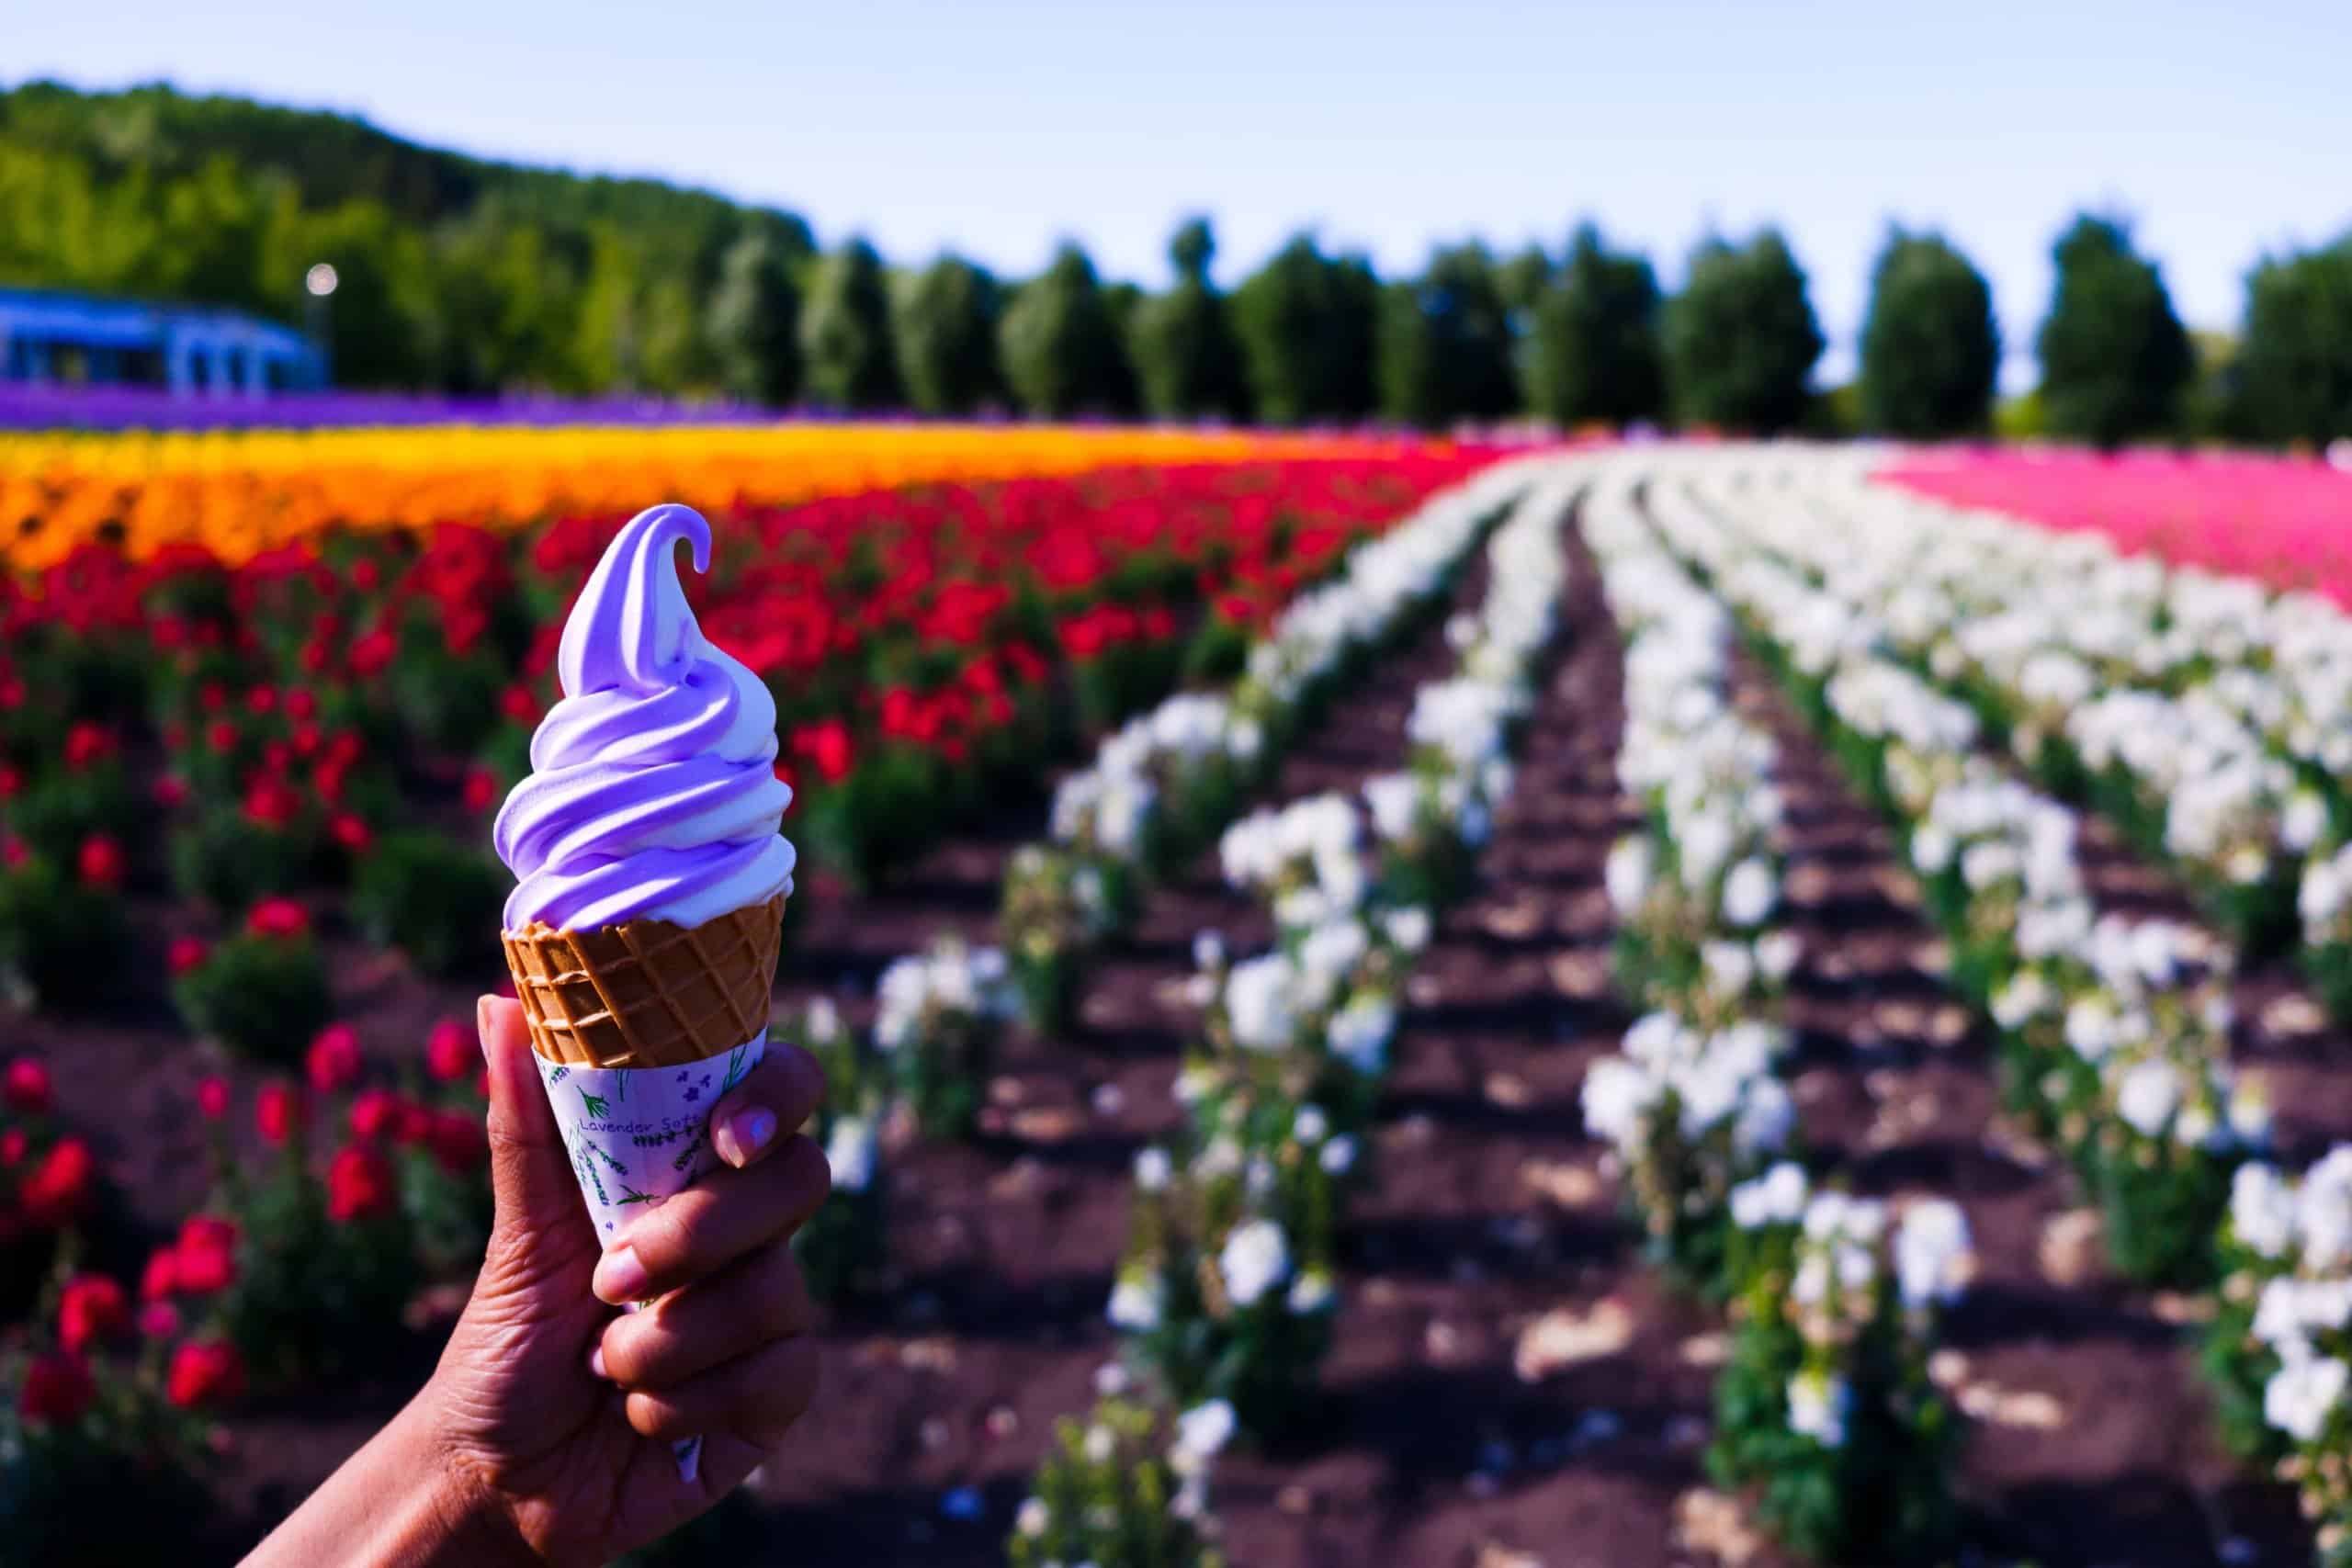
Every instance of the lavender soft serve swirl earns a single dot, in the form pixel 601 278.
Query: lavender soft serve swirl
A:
pixel 653 793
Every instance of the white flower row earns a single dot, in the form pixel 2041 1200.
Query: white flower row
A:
pixel 2303 1232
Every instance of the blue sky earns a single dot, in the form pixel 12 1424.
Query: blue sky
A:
pixel 996 126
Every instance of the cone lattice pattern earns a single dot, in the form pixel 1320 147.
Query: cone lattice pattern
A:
pixel 647 993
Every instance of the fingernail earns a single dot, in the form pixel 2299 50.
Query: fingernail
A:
pixel 744 1134
pixel 619 1276
pixel 596 1361
pixel 481 1023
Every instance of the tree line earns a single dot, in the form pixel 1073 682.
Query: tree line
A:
pixel 468 275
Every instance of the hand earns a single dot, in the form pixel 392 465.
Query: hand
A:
pixel 544 1435
pixel 560 1413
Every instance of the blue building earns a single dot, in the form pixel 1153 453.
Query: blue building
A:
pixel 80 339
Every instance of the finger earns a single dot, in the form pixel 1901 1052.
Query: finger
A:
pixel 710 1224
pixel 530 1171
pixel 755 1398
pixel 776 1097
pixel 757 1299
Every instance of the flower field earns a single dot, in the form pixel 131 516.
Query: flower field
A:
pixel 1384 1002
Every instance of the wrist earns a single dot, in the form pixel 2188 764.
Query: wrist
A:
pixel 454 1515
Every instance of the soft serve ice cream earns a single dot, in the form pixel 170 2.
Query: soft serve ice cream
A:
pixel 650 879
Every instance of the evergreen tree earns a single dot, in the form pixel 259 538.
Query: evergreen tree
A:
pixel 1307 326
pixel 1060 342
pixel 2293 377
pixel 944 320
pixel 845 332
pixel 1186 356
pixel 2115 358
pixel 1445 343
pixel 1932 349
pixel 1741 339
pixel 755 322
pixel 1594 355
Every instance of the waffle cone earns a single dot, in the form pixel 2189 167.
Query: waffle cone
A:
pixel 647 993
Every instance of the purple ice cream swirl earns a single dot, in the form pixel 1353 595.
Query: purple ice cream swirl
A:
pixel 653 793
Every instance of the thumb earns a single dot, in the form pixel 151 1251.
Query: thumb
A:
pixel 530 1169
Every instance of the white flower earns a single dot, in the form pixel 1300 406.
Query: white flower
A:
pixel 1338 1156
pixel 1749 893
pixel 2302 1395
pixel 1034 1518
pixel 1135 1305
pixel 1817 1407
pixel 1627 875
pixel 1359 1033
pixel 1200 1433
pixel 2091 1028
pixel 849 1150
pixel 1408 927
pixel 1776 955
pixel 1310 1292
pixel 1766 1115
pixel 1100 1444
pixel 1617 1098
pixel 2148 1095
pixel 2262 1210
pixel 1261 1000
pixel 1310 1125
pixel 1775 1198
pixel 1394 802
pixel 1730 967
pixel 2303 821
pixel 824 1021
pixel 1153 1167
pixel 1208 950
pixel 1931 848
pixel 2320 897
pixel 1255 1258
pixel 1930 1251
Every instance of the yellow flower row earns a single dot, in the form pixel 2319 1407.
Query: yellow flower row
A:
pixel 243 492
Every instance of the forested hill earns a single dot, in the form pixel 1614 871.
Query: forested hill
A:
pixel 457 271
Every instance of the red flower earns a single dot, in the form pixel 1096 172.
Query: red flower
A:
pixel 449 1051
pixel 278 918
pixel 87 742
pixel 170 791
pixel 351 833
pixel 333 1061
pixel 203 1261
pixel 185 953
pixel 212 1097
pixel 262 700
pixel 91 1307
pixel 275 1110
pixel 59 1188
pixel 101 861
pixel 482 789
pixel 301 705
pixel 57 1390
pixel 205 1372
pixel 213 696
pixel 11 780
pixel 413 1126
pixel 373 1113
pixel 12 1144
pixel 825 744
pixel 359 1184
pixel 459 1141
pixel 159 1320
pixel 26 1087
pixel 13 853
pixel 272 801
pixel 221 735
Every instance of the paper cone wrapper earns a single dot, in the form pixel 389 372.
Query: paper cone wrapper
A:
pixel 639 1030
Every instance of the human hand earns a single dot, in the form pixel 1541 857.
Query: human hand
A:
pixel 555 1414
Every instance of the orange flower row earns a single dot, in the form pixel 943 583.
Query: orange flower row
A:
pixel 244 493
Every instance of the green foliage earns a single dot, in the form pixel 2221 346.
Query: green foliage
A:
pixel 1114 1491
pixel 313 1296
pixel 227 859
pixel 1741 339
pixel 1932 349
pixel 1445 343
pixel 2114 357
pixel 943 320
pixel 263 997
pixel 755 322
pixel 2292 378
pixel 1307 322
pixel 1187 357
pixel 434 898
pixel 845 332
pixel 60 937
pixel 1594 354
pixel 1060 345
pixel 455 272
